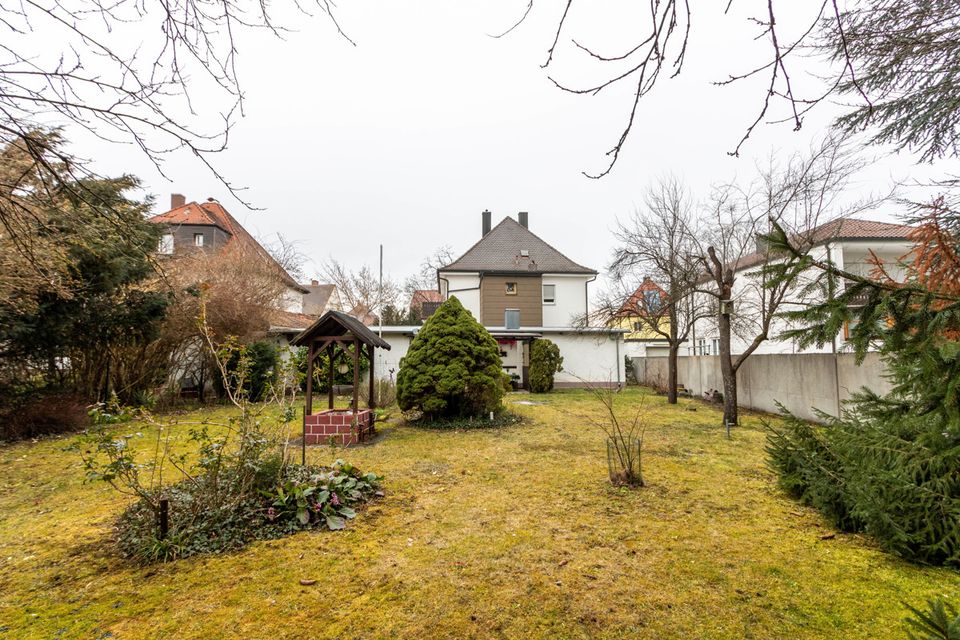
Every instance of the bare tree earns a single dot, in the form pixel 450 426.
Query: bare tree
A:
pixel 801 195
pixel 894 41
pixel 656 243
pixel 426 276
pixel 360 291
pixel 124 71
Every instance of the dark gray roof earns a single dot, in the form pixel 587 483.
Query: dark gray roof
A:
pixel 501 251
pixel 337 323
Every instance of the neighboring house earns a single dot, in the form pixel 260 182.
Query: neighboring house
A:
pixel 424 302
pixel 521 288
pixel 848 242
pixel 640 315
pixel 320 298
pixel 208 226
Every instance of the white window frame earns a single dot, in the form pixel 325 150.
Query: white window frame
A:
pixel 507 287
pixel 198 239
pixel 551 300
pixel 165 244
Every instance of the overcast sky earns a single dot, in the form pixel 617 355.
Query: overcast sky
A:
pixel 405 138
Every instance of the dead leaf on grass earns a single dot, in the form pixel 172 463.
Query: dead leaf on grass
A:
pixel 307 582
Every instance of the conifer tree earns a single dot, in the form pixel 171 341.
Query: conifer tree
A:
pixel 890 464
pixel 453 367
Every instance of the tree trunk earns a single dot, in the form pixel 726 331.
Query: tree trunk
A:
pixel 672 373
pixel 728 372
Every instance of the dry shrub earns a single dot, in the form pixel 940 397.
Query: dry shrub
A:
pixel 44 415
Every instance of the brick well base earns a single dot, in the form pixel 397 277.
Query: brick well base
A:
pixel 339 426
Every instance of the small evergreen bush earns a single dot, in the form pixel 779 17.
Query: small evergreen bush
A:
pixel 545 362
pixel 453 367
pixel 262 363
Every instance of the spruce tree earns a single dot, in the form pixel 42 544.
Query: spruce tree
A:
pixel 453 367
pixel 890 464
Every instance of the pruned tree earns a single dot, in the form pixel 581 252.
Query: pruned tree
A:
pixel 800 194
pixel 891 61
pixel 656 243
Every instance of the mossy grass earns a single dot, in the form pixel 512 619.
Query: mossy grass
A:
pixel 485 533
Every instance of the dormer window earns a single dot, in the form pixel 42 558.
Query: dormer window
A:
pixel 511 288
pixel 524 253
pixel 198 239
pixel 165 245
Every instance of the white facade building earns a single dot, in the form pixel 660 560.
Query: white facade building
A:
pixel 520 288
pixel 848 243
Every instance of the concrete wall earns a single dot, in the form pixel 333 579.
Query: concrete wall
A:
pixel 801 382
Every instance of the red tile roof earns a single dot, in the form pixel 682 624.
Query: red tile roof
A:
pixel 840 229
pixel 289 322
pixel 213 213
pixel 425 295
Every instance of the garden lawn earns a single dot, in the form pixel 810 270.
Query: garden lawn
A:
pixel 509 533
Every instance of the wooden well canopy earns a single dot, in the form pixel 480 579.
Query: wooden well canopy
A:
pixel 333 330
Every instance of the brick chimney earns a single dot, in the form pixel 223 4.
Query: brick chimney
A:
pixel 523 219
pixel 486 222
pixel 177 200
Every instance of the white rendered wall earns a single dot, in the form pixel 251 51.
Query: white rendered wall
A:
pixel 571 299
pixel 849 255
pixel 292 300
pixel 594 358
pixel 466 288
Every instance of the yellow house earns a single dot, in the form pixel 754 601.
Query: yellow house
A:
pixel 644 318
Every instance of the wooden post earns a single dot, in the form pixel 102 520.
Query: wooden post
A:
pixel 164 518
pixel 330 351
pixel 308 406
pixel 371 399
pixel 356 375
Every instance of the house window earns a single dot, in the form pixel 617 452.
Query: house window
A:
pixel 165 246
pixel 651 300
pixel 511 289
pixel 198 239
pixel 549 294
pixel 715 346
pixel 636 326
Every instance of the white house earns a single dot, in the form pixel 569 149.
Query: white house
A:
pixel 847 242
pixel 521 288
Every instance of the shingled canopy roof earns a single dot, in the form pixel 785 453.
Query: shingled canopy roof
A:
pixel 510 247
pixel 337 323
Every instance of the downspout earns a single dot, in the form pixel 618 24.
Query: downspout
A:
pixel 586 304
pixel 619 362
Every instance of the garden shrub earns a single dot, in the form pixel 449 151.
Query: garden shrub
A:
pixel 893 478
pixel 238 484
pixel 42 413
pixel 453 367
pixel 259 371
pixel 545 362
pixel 282 500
